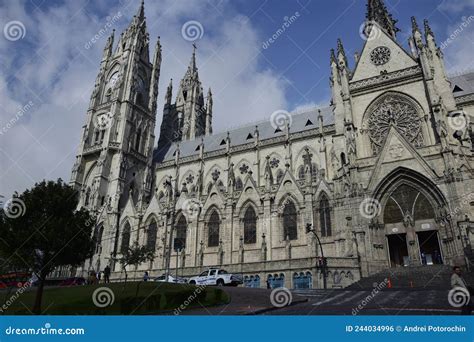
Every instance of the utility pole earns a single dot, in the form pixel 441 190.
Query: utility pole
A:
pixel 310 229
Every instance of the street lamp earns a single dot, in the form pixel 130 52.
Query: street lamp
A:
pixel 323 264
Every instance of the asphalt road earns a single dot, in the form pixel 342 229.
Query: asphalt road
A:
pixel 335 302
pixel 365 302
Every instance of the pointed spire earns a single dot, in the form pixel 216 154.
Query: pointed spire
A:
pixel 333 56
pixel 341 53
pixel 108 46
pixel 377 12
pixel 192 64
pixel 428 30
pixel 141 12
pixel 169 92
pixel 414 25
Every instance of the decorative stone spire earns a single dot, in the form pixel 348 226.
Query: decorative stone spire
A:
pixel 428 31
pixel 341 53
pixel 377 12
pixel 108 46
pixel 333 56
pixel 169 93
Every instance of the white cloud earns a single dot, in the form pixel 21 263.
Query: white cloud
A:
pixel 58 73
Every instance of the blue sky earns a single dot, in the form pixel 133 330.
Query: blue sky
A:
pixel 51 69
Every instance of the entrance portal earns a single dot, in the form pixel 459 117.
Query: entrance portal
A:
pixel 429 247
pixel 397 245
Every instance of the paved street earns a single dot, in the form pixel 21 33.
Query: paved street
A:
pixel 361 302
pixel 335 302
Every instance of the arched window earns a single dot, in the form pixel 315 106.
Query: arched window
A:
pixel 406 199
pixel 151 235
pixel 213 226
pixel 250 225
pixel 125 238
pixel 137 140
pixel 325 216
pixel 290 225
pixel 301 172
pixel 238 184
pixel 343 159
pixel 181 228
pixel 88 196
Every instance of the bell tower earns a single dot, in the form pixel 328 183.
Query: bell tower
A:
pixel 114 159
pixel 191 115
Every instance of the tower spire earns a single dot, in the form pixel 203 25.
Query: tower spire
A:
pixel 377 12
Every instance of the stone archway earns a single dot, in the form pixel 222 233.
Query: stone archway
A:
pixel 410 207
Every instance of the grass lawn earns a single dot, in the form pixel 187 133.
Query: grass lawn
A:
pixel 131 298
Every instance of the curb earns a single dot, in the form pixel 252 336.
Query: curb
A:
pixel 273 308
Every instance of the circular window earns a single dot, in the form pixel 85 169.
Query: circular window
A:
pixel 380 55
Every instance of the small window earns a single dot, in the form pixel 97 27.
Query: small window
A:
pixel 278 130
pixel 250 136
pixel 457 89
pixel 308 123
pixel 197 148
pixel 222 142
pixel 212 272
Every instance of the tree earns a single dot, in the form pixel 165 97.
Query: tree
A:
pixel 48 233
pixel 135 255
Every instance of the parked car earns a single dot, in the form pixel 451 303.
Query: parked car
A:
pixel 216 276
pixel 171 279
pixel 74 281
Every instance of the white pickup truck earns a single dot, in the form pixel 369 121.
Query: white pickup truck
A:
pixel 216 276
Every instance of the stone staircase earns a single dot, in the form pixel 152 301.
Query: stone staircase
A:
pixel 416 277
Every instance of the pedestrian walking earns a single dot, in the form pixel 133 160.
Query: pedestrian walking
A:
pixel 107 274
pixel 146 276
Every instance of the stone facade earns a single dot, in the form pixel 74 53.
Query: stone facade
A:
pixel 383 175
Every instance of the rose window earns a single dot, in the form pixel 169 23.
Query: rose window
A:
pixel 398 112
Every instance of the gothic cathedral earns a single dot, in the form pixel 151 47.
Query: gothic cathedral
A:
pixel 380 178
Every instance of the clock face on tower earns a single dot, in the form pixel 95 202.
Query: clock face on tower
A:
pixel 113 79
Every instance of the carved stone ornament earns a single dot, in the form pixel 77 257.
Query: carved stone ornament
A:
pixel 380 55
pixel 399 112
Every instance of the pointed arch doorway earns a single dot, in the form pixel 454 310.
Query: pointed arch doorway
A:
pixel 412 233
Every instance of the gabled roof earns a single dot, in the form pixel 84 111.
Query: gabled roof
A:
pixel 239 135
pixel 464 82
